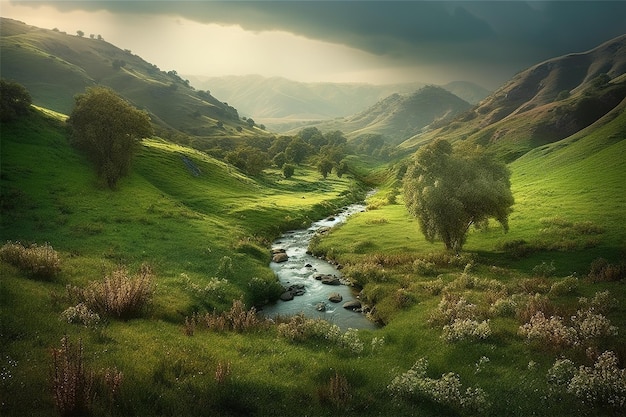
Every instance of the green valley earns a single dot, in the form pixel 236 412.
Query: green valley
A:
pixel 529 322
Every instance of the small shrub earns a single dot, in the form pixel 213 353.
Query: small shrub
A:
pixel 503 307
pixel 550 330
pixel 72 383
pixel 561 372
pixel 119 295
pixel 402 298
pixel 433 287
pixel 467 329
pixel 544 270
pixel 537 285
pixel 80 314
pixel 602 302
pixel 452 308
pixel 338 391
pixel 529 305
pixel 586 325
pixel 588 228
pixel 565 286
pixel 363 273
pixel 40 262
pixel 591 325
pixel 377 343
pixel 263 291
pixel 214 287
pixel 604 383
pixel 448 390
pixel 424 268
pixel 225 269
pixel 238 319
pixel 299 328
pixel 602 271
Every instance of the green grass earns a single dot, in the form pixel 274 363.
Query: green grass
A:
pixel 185 226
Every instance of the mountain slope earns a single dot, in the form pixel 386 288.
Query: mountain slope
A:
pixel 54 67
pixel 543 104
pixel 399 116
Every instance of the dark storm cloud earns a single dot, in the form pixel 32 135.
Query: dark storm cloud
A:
pixel 507 34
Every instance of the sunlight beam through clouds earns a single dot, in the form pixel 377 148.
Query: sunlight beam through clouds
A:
pixel 193 48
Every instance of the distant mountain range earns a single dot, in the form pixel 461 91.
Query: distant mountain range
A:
pixel 272 100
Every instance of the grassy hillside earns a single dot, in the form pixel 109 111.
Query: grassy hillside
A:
pixel 55 66
pixel 191 222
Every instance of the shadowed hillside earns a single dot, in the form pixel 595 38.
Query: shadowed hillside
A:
pixel 543 104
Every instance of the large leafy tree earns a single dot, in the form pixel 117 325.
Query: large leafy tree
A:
pixel 15 100
pixel 108 129
pixel 451 191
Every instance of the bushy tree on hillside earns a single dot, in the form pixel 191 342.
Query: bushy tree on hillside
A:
pixel 15 100
pixel 324 166
pixel 288 170
pixel 450 191
pixel 108 129
pixel 250 160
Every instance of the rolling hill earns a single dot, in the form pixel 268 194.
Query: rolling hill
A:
pixel 282 104
pixel 400 116
pixel 543 104
pixel 55 66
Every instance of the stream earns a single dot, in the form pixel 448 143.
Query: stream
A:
pixel 300 270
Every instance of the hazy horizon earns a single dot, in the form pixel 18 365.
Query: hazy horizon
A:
pixel 371 42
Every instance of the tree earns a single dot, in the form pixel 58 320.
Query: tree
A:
pixel 108 129
pixel 288 170
pixel 15 100
pixel 250 160
pixel 449 192
pixel 80 33
pixel 297 151
pixel 279 159
pixel 341 168
pixel 324 166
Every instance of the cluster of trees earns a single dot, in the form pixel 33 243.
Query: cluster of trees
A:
pixel 310 144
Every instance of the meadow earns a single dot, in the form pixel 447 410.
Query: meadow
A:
pixel 204 231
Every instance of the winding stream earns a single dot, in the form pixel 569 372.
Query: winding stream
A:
pixel 300 270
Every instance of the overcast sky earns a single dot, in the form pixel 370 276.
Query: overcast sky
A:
pixel 362 41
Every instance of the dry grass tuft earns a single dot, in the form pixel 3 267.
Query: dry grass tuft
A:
pixel 119 295
pixel 40 262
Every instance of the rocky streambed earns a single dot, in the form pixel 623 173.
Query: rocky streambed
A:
pixel 314 286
